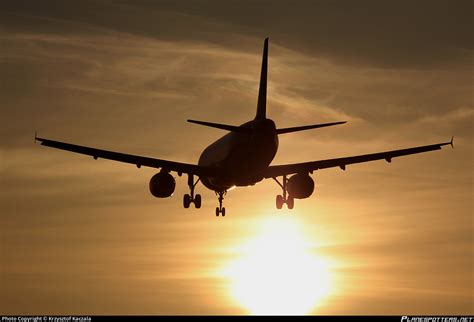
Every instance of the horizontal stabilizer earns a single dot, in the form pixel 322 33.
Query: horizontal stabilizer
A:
pixel 226 127
pixel 306 127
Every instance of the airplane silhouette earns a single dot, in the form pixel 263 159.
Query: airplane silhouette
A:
pixel 242 157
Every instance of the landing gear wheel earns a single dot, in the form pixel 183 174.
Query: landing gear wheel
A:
pixel 191 198
pixel 220 209
pixel 290 202
pixel 279 201
pixel 286 197
pixel 197 201
pixel 186 201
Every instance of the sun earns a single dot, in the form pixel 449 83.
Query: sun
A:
pixel 276 272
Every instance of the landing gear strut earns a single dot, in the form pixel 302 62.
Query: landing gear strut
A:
pixel 285 198
pixel 220 209
pixel 191 198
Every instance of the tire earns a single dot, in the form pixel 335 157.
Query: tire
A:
pixel 290 202
pixel 223 212
pixel 217 211
pixel 197 201
pixel 279 201
pixel 186 201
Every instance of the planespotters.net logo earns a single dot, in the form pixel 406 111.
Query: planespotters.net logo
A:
pixel 437 319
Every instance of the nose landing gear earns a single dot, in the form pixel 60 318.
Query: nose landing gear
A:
pixel 220 210
pixel 191 198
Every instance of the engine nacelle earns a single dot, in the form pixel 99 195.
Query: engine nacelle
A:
pixel 162 185
pixel 300 186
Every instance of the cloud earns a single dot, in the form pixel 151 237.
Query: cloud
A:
pixel 390 35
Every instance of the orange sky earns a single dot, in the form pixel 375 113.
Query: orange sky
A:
pixel 82 236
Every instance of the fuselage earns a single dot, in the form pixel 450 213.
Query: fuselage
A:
pixel 241 156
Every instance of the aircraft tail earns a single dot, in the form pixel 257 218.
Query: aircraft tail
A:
pixel 262 91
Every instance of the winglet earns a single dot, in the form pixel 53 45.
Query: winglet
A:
pixel 36 136
pixel 452 142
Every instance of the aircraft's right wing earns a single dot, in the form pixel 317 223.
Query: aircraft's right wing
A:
pixel 286 169
pixel 130 158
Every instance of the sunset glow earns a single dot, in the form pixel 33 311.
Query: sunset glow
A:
pixel 277 273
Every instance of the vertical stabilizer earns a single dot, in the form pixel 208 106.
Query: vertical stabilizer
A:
pixel 262 91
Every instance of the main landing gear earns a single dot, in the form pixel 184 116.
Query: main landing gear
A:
pixel 191 198
pixel 285 198
pixel 220 209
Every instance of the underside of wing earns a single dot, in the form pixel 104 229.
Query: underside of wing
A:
pixel 130 158
pixel 286 169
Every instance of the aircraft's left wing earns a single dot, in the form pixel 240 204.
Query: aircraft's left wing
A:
pixel 286 169
pixel 130 158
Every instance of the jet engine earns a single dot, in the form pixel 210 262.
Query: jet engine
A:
pixel 300 186
pixel 162 185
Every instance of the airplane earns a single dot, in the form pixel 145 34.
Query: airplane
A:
pixel 241 158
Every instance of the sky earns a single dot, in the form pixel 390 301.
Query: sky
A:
pixel 80 236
